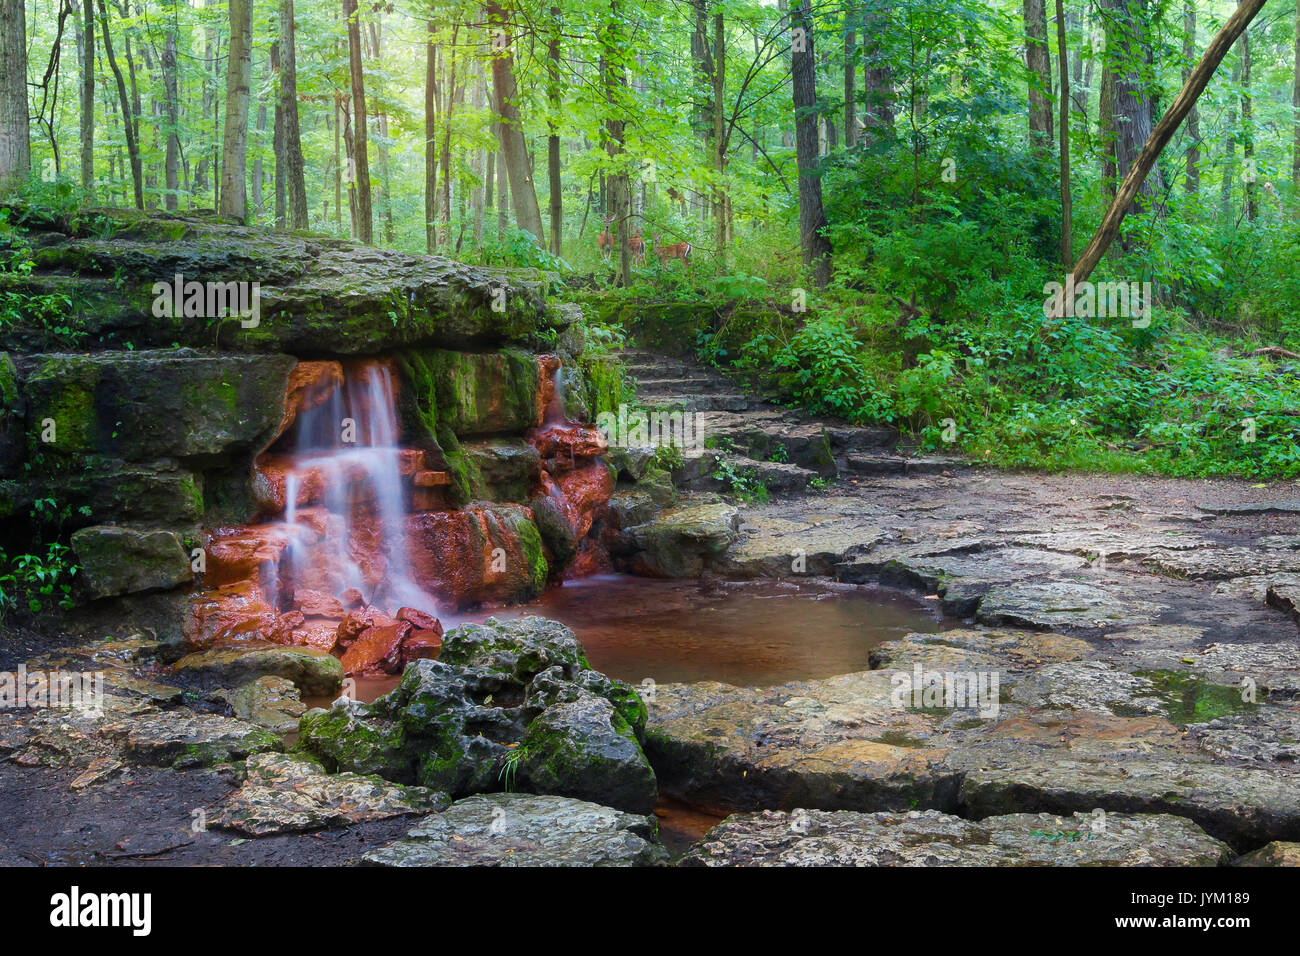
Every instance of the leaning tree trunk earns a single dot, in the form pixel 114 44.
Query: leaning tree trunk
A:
pixel 234 144
pixel 1040 80
pixel 528 215
pixel 132 145
pixel 812 216
pixel 294 174
pixel 360 152
pixel 1161 135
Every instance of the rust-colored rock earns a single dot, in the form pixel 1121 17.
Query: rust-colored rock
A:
pixel 420 644
pixel 477 555
pixel 232 614
pixel 316 604
pixel 377 650
pixel 420 619
pixel 566 442
pixel 361 620
pixel 317 632
pixel 244 554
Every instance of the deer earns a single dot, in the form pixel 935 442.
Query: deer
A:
pixel 678 250
pixel 636 245
pixel 603 242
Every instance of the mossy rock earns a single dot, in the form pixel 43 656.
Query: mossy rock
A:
pixel 349 737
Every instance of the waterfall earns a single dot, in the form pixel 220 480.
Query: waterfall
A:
pixel 346 459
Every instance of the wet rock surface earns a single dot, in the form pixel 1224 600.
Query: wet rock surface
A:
pixel 514 829
pixel 930 838
pixel 508 705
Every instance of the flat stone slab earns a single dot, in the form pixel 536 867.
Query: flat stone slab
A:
pixel 773 547
pixel 182 738
pixel 515 829
pixel 930 838
pixel 1058 604
pixel 839 743
pixel 314 671
pixel 1243 807
pixel 287 794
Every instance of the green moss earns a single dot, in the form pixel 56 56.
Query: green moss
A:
pixel 1190 700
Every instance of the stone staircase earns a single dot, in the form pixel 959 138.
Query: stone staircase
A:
pixel 758 441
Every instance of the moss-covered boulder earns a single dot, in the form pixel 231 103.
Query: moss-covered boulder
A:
pixel 507 468
pixel 462 723
pixel 313 671
pixel 683 542
pixel 473 393
pixel 11 420
pixel 118 560
pixel 586 749
pixel 146 406
pixel 316 294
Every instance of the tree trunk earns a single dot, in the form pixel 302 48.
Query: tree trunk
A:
pixel 1295 104
pixel 294 173
pixel 1251 174
pixel 812 216
pixel 132 147
pixel 555 105
pixel 1127 40
pixel 1040 80
pixel 1067 208
pixel 360 152
pixel 1160 136
pixel 851 76
pixel 88 98
pixel 430 140
pixel 877 74
pixel 234 148
pixel 1193 184
pixel 514 150
pixel 719 140
pixel 171 166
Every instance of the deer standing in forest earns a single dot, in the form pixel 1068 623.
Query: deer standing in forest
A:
pixel 678 250
pixel 603 242
pixel 636 245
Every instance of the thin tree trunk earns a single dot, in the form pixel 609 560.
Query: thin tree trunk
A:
pixel 719 140
pixel 514 150
pixel 850 77
pixel 234 149
pixel 555 105
pixel 1040 82
pixel 1248 131
pixel 812 216
pixel 295 182
pixel 1067 207
pixel 132 147
pixel 1193 184
pixel 277 147
pixel 360 151
pixel 171 165
pixel 1295 105
pixel 88 96
pixel 430 140
pixel 1160 136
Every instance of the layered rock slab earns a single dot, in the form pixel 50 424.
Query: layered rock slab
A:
pixel 514 829
pixel 930 838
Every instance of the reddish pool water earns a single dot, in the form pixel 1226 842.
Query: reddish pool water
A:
pixel 749 634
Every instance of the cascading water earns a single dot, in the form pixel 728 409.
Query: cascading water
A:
pixel 344 456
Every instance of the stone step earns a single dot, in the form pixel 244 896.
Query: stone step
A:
pixel 701 469
pixel 896 465
pixel 721 402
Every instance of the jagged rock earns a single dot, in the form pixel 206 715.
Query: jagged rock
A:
pixel 930 838
pixel 682 542
pixel 585 749
pixel 182 738
pixel 119 560
pixel 463 723
pixel 314 671
pixel 288 794
pixel 270 702
pixel 513 829
pixel 1274 854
